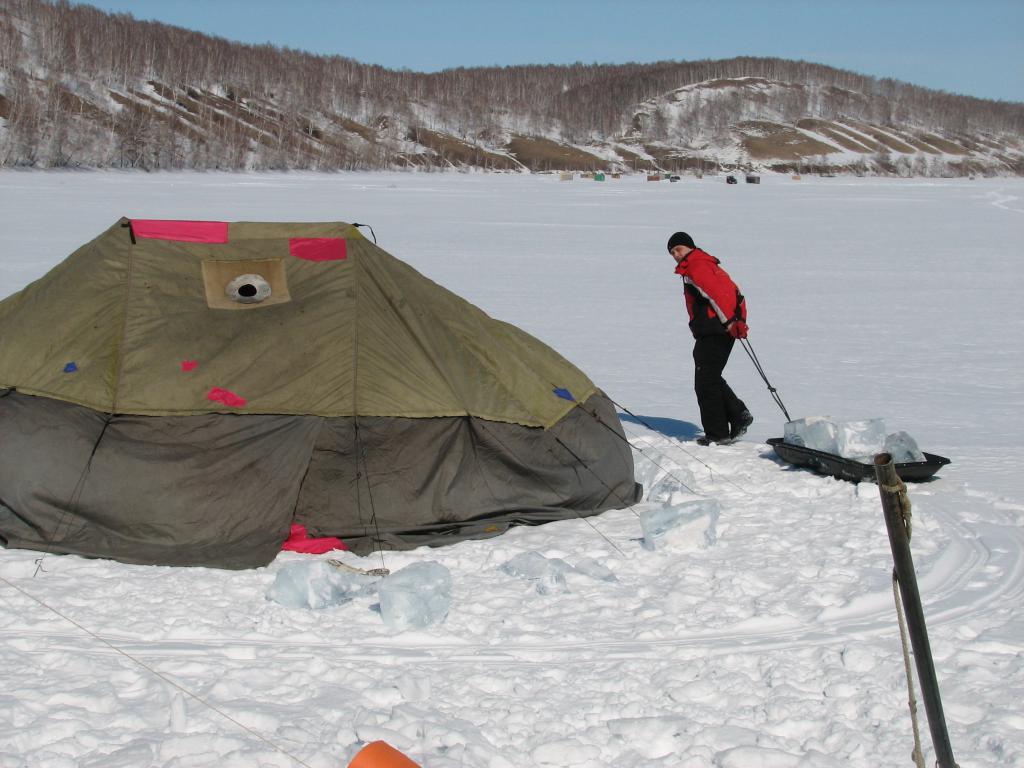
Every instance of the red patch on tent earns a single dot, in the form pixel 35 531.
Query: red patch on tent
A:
pixel 189 365
pixel 181 231
pixel 226 396
pixel 318 248
pixel 300 541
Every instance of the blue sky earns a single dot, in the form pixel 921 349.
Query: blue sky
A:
pixel 976 48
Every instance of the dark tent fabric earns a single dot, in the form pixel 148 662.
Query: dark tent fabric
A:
pixel 378 407
pixel 175 490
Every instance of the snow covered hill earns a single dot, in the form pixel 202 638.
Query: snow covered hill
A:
pixel 79 87
pixel 754 122
pixel 764 637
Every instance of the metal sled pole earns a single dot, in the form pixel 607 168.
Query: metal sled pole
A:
pixel 760 369
pixel 896 509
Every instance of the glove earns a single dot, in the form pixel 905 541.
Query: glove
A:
pixel 737 329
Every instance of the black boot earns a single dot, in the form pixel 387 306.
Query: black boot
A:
pixel 740 425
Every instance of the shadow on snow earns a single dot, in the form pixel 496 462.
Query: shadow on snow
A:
pixel 680 430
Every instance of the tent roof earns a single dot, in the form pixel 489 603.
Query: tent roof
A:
pixel 142 321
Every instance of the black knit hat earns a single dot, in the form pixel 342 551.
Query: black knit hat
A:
pixel 680 238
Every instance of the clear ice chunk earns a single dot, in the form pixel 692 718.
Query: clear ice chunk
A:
pixel 660 478
pixel 595 570
pixel 548 573
pixel 415 597
pixel 815 432
pixel 317 585
pixel 552 582
pixel 903 448
pixel 671 489
pixel 691 523
pixel 861 439
pixel 526 565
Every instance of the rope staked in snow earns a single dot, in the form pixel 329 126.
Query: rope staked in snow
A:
pixel 157 674
pixel 76 494
pixel 682 447
pixel 641 450
pixel 590 469
pixel 551 488
pixel 361 453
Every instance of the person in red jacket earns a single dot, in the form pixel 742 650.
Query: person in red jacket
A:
pixel 718 316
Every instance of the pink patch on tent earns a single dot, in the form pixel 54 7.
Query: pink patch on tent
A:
pixel 300 541
pixel 181 231
pixel 225 396
pixel 189 365
pixel 318 248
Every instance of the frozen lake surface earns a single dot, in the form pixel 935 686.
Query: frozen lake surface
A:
pixel 773 645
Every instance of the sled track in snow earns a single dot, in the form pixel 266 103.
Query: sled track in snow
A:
pixel 1004 200
pixel 983 568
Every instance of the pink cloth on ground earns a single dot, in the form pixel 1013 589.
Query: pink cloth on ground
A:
pixel 300 541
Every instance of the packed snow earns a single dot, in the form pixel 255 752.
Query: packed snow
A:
pixel 740 615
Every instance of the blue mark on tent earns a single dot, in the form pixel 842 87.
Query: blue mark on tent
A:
pixel 565 394
pixel 70 367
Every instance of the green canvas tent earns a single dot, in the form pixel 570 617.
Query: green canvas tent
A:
pixel 182 392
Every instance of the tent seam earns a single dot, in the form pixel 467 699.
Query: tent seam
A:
pixel 124 329
pixel 157 412
pixel 426 309
pixel 357 268
pixel 416 337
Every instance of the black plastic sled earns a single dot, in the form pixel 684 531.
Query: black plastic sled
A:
pixel 851 469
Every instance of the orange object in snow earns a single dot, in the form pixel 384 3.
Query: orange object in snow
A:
pixel 380 754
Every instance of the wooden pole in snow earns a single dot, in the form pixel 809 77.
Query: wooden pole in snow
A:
pixel 896 508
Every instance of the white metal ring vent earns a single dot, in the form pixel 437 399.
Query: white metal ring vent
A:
pixel 248 289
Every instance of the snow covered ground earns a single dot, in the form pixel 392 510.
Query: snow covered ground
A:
pixel 775 646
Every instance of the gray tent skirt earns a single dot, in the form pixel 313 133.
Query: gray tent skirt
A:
pixel 223 490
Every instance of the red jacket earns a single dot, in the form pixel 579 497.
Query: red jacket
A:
pixel 713 300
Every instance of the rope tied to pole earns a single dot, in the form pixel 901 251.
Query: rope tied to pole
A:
pixel 899 490
pixel 910 614
pixel 918 754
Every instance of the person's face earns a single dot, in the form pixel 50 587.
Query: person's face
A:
pixel 680 252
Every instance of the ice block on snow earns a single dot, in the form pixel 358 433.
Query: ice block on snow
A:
pixel 691 523
pixel 416 597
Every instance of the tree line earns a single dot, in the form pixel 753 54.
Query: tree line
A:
pixel 86 53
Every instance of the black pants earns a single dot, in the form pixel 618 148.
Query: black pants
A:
pixel 718 403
